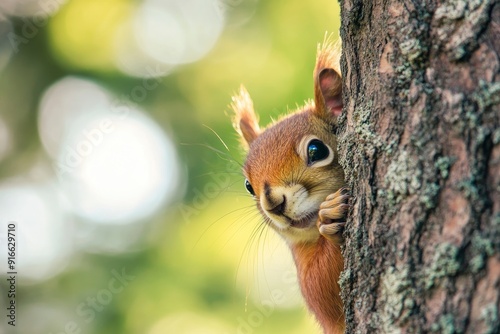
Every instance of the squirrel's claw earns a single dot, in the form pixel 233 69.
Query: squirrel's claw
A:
pixel 332 213
pixel 342 195
pixel 330 229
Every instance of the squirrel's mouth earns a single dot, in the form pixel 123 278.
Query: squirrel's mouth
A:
pixel 305 221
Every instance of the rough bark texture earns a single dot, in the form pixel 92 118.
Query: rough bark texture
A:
pixel 420 145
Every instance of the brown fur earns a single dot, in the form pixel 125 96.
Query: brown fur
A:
pixel 273 161
pixel 318 266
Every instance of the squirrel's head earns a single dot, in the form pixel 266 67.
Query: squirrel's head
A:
pixel 292 165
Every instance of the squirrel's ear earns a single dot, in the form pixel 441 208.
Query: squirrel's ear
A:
pixel 245 121
pixel 328 95
pixel 327 80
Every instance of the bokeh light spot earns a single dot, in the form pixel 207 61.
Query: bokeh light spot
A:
pixel 115 163
pixel 64 102
pixel 42 227
pixel 124 167
pixel 176 32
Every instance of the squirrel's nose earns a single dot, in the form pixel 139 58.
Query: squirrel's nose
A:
pixel 279 208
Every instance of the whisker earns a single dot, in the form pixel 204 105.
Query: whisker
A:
pixel 250 242
pixel 211 148
pixel 215 222
pixel 225 156
pixel 215 133
pixel 261 259
pixel 266 233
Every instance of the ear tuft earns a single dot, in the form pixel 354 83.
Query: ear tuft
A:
pixel 245 121
pixel 327 80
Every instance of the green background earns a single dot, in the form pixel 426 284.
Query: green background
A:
pixel 204 263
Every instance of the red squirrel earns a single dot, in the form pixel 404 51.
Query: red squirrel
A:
pixel 293 173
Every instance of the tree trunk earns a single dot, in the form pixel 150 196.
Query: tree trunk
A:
pixel 420 145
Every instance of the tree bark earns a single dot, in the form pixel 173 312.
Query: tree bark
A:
pixel 420 145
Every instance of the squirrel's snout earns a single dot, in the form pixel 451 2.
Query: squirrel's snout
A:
pixel 289 206
pixel 274 199
pixel 279 208
pixel 283 200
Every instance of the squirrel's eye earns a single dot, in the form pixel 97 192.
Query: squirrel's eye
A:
pixel 249 188
pixel 316 151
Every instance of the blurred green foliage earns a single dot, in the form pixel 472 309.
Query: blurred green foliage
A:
pixel 194 265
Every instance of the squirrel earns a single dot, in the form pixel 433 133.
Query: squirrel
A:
pixel 293 173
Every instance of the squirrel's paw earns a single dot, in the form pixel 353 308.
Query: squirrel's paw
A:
pixel 332 213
